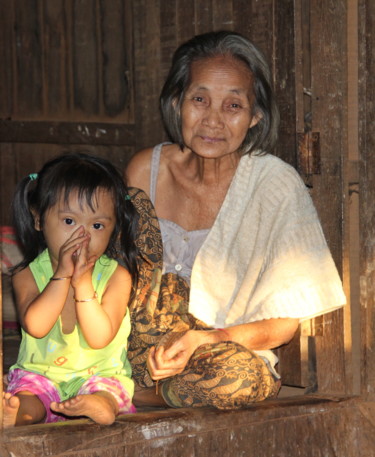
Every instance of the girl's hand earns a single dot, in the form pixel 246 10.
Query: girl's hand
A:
pixel 69 252
pixel 163 363
pixel 83 263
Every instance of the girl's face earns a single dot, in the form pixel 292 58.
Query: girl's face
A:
pixel 63 219
pixel 216 112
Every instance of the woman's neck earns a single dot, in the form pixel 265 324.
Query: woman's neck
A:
pixel 210 171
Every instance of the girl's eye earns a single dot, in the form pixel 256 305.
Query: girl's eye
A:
pixel 69 221
pixel 98 226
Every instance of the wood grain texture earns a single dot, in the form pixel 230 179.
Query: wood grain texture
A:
pixel 304 427
pixel 329 118
pixel 367 191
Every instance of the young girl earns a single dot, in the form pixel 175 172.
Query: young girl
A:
pixel 72 219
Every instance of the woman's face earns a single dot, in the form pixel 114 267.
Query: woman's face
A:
pixel 216 111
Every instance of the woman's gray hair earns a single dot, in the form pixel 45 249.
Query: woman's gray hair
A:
pixel 263 135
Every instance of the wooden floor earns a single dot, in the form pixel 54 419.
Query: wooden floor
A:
pixel 296 427
pixel 291 426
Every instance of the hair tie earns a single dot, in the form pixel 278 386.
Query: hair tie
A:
pixel 127 197
pixel 33 176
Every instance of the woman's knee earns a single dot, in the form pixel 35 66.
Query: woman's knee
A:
pixel 224 376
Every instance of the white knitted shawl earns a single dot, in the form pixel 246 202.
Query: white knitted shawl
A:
pixel 266 255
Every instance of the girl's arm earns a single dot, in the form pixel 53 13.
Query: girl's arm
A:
pixel 37 311
pixel 100 322
pixel 260 335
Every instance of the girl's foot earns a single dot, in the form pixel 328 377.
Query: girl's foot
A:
pixel 11 406
pixel 100 407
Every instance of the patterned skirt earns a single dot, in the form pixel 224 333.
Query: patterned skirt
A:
pixel 225 375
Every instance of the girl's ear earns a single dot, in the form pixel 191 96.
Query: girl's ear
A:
pixel 36 220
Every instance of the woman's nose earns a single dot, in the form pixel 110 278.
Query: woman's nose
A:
pixel 213 117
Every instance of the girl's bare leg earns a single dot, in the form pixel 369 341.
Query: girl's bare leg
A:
pixel 24 408
pixel 101 407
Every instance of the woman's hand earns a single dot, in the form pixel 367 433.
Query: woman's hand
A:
pixel 169 360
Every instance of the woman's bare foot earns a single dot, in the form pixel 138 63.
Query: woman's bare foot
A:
pixel 147 396
pixel 11 406
pixel 99 406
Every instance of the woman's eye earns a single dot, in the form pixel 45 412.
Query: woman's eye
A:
pixel 68 221
pixel 98 226
pixel 198 99
pixel 234 106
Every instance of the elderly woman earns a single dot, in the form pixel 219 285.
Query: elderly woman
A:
pixel 238 227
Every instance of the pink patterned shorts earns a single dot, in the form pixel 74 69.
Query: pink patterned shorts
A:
pixel 46 391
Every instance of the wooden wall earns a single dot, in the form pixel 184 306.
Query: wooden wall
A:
pixel 366 137
pixel 87 74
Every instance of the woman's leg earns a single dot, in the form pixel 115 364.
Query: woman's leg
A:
pixel 148 396
pixel 224 376
pixel 23 408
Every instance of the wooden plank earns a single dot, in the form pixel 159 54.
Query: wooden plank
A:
pixel 8 181
pixel 242 17
pixel 330 427
pixel 366 12
pixel 147 77
pixel 261 27
pixel 329 117
pixel 168 34
pixel 7 57
pixel 29 75
pixel 284 79
pixel 289 366
pixel 129 64
pixel 67 132
pixel 85 45
pixel 55 59
pixel 115 89
pixel 203 16
pixel 186 20
pixel 222 15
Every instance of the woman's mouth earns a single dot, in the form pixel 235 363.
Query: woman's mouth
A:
pixel 210 139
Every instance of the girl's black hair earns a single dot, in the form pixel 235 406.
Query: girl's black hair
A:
pixel 84 173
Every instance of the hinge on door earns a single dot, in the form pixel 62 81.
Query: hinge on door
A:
pixel 308 153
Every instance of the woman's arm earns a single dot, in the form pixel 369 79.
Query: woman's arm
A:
pixel 265 334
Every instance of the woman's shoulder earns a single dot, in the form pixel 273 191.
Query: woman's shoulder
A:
pixel 138 170
pixel 272 166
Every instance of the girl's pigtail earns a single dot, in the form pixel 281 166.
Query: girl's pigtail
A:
pixel 23 221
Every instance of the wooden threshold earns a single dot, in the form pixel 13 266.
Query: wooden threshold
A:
pixel 291 426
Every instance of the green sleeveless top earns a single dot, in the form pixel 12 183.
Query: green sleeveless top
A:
pixel 67 359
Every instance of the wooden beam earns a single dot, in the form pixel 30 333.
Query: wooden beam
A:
pixel 66 133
